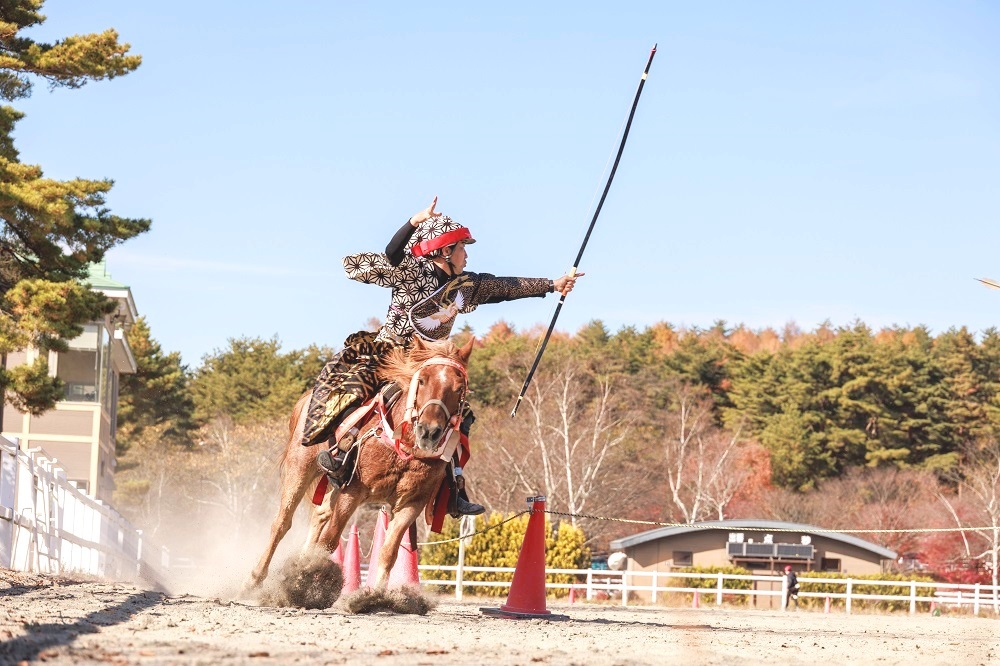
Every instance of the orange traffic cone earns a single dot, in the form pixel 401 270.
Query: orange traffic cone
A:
pixel 352 563
pixel 826 606
pixel 527 591
pixel 572 595
pixel 696 602
pixel 405 571
pixel 381 524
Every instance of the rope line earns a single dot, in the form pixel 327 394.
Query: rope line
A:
pixel 483 531
pixel 698 526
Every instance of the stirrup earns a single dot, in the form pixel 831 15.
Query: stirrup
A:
pixel 333 465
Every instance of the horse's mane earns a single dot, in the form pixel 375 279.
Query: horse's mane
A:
pixel 400 364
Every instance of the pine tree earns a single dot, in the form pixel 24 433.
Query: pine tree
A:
pixel 968 388
pixel 51 230
pixel 251 381
pixel 156 394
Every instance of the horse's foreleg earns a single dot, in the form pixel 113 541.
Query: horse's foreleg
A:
pixel 400 522
pixel 293 486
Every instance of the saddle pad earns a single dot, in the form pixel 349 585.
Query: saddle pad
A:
pixel 388 394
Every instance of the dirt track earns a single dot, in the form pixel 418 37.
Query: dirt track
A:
pixel 61 621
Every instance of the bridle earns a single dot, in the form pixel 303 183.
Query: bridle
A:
pixel 413 413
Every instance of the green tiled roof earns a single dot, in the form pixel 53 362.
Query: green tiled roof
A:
pixel 101 279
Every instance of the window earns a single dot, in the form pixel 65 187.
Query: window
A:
pixel 829 564
pixel 105 372
pixel 80 367
pixel 683 558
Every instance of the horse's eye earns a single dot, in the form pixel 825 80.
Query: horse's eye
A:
pixel 420 382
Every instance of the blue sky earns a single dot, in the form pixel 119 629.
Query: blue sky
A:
pixel 788 161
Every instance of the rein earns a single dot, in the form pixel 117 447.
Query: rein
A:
pixel 412 413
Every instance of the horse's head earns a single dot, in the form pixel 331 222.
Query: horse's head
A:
pixel 438 389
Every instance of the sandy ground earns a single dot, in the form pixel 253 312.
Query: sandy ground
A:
pixel 63 621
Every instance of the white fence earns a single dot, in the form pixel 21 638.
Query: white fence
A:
pixel 652 586
pixel 47 525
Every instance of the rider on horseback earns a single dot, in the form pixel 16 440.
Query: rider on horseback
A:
pixel 429 288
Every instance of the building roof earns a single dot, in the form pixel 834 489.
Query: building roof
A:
pixel 749 524
pixel 100 280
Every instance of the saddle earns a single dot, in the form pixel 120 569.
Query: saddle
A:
pixel 346 434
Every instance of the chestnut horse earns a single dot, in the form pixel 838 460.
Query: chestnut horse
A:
pixel 438 385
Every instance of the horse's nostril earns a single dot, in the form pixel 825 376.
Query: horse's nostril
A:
pixel 427 433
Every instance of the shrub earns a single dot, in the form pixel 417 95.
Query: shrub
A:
pixel 500 546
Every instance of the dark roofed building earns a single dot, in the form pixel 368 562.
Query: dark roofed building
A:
pixel 765 545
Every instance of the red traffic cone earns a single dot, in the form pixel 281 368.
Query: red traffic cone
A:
pixel 527 591
pixel 696 602
pixel 352 563
pixel 381 523
pixel 572 595
pixel 826 606
pixel 405 571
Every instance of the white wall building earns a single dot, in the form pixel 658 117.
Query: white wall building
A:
pixel 80 432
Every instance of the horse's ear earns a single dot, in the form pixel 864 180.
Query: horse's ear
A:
pixel 418 343
pixel 466 351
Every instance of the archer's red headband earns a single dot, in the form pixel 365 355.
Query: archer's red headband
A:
pixel 424 248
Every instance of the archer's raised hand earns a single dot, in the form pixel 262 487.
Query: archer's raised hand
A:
pixel 425 214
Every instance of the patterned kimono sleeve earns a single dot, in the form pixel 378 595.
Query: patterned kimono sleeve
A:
pixel 374 268
pixel 487 288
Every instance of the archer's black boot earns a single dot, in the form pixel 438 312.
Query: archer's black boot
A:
pixel 466 508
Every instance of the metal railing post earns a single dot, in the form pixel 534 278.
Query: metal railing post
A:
pixel 138 553
pixel 460 571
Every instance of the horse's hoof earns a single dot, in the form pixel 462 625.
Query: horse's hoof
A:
pixel 252 585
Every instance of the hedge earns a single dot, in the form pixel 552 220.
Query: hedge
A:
pixel 903 589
